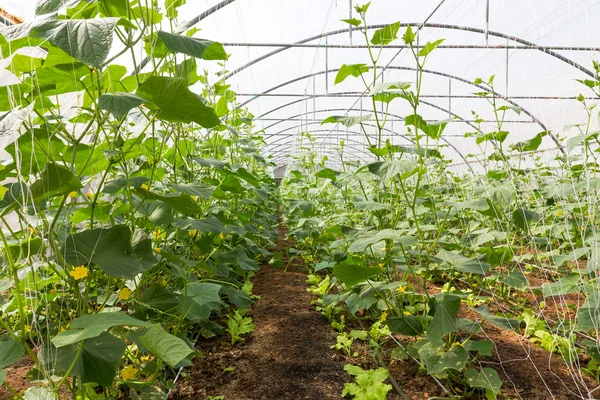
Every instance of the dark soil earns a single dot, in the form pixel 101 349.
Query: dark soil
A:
pixel 288 355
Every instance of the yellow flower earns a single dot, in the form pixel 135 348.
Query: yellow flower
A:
pixel 221 236
pixel 406 313
pixel 383 316
pixel 28 328
pixel 195 198
pixel 401 289
pixel 31 229
pixel 559 213
pixel 261 227
pixel 156 234
pixel 383 249
pixel 381 265
pixel 64 328
pixel 52 291
pixel 582 228
pixel 124 294
pixel 192 232
pixel 90 195
pixel 157 250
pixel 591 216
pixel 79 272
pixel 129 372
pixel 73 194
pixel 145 187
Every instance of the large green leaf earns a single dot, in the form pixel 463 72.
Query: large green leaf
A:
pixel 408 325
pixel 386 35
pixel 502 321
pixel 176 102
pixel 487 379
pixel 433 129
pixel 373 237
pixel 55 180
pixel 51 6
pixel 444 319
pixel 354 70
pixel 10 352
pixel 86 40
pixel 352 274
pixel 588 316
pixel 203 225
pixel 181 202
pixel 524 218
pixel 119 104
pixel 109 248
pixel 92 325
pixel 199 299
pixel 565 285
pixel 165 346
pixel 194 47
pixel 99 359
pixel 463 264
pixel 348 121
pixel 388 170
pixel 437 360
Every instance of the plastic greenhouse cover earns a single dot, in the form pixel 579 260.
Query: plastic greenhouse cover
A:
pixel 293 91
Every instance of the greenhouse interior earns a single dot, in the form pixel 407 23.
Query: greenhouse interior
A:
pixel 324 199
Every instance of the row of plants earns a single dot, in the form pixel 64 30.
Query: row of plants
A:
pixel 434 255
pixel 135 204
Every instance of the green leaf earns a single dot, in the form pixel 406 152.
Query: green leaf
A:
pixel 408 325
pixel 444 319
pixel 176 102
pixel 437 360
pixel 386 35
pixel 181 202
pixel 433 129
pixel 194 47
pixel 503 321
pixel 327 173
pixel 92 325
pixel 429 47
pixel 158 213
pixel 487 379
pixel 119 104
pixel 588 316
pixel 98 362
pixel 109 248
pixel 55 180
pixel 171 6
pixel 565 285
pixel 531 144
pixel 86 40
pixel 170 349
pixel 463 264
pixel 373 237
pixel 356 302
pixel 388 170
pixel 200 299
pixel 354 70
pixel 409 36
pixel 50 6
pixel 11 122
pixel 352 274
pixel 2 376
pixel 482 347
pixel 524 218
pixel 203 225
pixel 352 21
pixel 10 352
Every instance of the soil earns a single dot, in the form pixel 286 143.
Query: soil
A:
pixel 15 377
pixel 287 356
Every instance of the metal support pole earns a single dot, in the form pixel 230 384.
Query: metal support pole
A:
pixel 449 98
pixel 487 21
pixel 350 17
pixel 506 91
pixel 327 64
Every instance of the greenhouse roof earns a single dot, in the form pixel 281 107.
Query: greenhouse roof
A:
pixel 285 57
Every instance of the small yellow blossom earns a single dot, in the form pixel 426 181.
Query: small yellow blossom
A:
pixel 221 236
pixel 406 313
pixel 28 328
pixel 157 250
pixel 124 293
pixel 64 328
pixel 79 272
pixel 90 195
pixel 52 291
pixel 156 234
pixel 559 213
pixel 401 289
pixel 383 316
pixel 383 249
pixel 73 194
pixel 129 372
pixel 146 358
pixel 195 198
pixel 261 227
pixel 582 227
pixel 591 216
pixel 381 265
pixel 192 232
pixel 164 282
pixel 145 187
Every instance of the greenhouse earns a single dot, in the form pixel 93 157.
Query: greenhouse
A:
pixel 266 199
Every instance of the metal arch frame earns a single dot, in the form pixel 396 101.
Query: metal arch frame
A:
pixel 450 76
pixel 337 134
pixel 515 39
pixel 327 149
pixel 352 109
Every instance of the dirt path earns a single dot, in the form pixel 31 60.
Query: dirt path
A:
pixel 288 355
